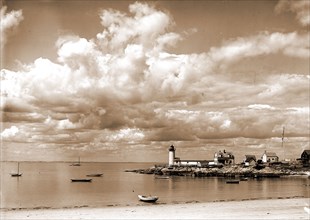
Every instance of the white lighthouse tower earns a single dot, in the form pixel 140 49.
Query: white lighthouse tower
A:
pixel 171 155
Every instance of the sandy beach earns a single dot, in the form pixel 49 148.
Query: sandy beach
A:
pixel 296 208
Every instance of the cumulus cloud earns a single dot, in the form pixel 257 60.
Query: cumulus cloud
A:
pixel 300 7
pixel 124 86
pixel 9 132
pixel 126 63
pixel 145 26
pixel 8 22
pixel 290 44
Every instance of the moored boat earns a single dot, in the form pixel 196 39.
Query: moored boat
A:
pixel 232 181
pixel 18 174
pixel 148 198
pixel 81 180
pixel 95 175
pixel 76 164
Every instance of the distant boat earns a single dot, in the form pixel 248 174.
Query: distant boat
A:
pixel 95 175
pixel 81 180
pixel 148 198
pixel 243 179
pixel 76 164
pixel 18 174
pixel 232 181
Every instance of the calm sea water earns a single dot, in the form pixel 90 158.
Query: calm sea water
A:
pixel 49 185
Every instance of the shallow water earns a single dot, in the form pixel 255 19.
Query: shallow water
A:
pixel 49 185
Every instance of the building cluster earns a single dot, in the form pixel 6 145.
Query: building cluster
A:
pixel 222 158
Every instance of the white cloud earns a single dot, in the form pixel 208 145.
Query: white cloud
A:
pixel 131 65
pixel 260 106
pixel 300 110
pixel 104 91
pixel 300 7
pixel 9 132
pixel 146 25
pixel 127 134
pixel 8 21
pixel 70 47
pixel 290 44
pixel 226 124
pixel 66 124
pixel 289 87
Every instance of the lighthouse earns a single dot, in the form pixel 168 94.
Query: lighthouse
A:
pixel 171 155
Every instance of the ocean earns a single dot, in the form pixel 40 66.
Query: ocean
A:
pixel 48 185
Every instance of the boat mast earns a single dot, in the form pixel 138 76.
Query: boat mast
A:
pixel 283 143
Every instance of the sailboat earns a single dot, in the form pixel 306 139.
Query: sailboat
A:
pixel 18 174
pixel 76 164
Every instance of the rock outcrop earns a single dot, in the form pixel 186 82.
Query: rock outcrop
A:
pixel 226 171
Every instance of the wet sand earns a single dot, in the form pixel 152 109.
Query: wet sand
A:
pixel 295 208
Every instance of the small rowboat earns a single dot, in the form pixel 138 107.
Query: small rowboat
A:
pixel 95 175
pixel 148 198
pixel 81 180
pixel 16 174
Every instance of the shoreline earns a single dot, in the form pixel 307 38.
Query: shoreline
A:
pixel 140 203
pixel 271 170
pixel 274 208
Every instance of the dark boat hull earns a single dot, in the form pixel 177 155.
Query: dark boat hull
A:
pixel 95 175
pixel 16 174
pixel 232 181
pixel 81 180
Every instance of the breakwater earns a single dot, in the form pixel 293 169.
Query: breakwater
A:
pixel 225 171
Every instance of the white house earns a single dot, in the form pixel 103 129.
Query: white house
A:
pixel 269 157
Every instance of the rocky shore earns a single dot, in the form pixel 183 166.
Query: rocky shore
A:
pixel 275 170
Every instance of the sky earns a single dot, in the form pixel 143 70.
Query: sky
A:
pixel 121 81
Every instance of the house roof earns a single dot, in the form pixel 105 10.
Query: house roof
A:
pixel 225 154
pixel 271 154
pixel 249 158
pixel 306 152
